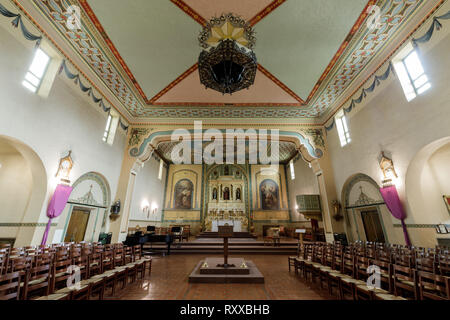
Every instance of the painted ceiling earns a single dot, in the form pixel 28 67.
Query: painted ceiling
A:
pixel 287 151
pixel 309 52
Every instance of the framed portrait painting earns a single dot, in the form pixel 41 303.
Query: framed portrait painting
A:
pixel 447 202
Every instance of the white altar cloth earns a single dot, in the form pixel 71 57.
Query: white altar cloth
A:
pixel 235 223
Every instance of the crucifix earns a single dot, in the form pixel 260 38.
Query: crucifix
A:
pixel 225 232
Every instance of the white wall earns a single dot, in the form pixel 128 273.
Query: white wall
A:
pixel 386 121
pixel 15 186
pixel 440 166
pixel 15 191
pixel 305 183
pixel 147 188
pixel 66 120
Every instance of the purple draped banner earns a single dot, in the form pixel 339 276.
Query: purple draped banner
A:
pixel 394 205
pixel 56 206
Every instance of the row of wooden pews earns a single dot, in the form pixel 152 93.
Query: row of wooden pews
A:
pixel 50 272
pixel 351 271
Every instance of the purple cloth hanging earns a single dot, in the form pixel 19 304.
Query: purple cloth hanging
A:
pixel 56 206
pixel 390 196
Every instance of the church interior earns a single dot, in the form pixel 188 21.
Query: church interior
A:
pixel 224 150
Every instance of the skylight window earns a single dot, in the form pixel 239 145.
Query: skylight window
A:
pixel 111 127
pixel 291 166
pixel 342 128
pixel 107 129
pixel 36 72
pixel 412 75
pixel 161 166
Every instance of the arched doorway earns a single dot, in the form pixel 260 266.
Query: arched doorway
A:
pixel 86 212
pixel 427 182
pixel 366 215
pixel 23 188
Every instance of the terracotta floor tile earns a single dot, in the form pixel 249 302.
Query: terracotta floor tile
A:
pixel 169 281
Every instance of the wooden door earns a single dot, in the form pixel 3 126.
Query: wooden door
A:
pixel 77 225
pixel 372 226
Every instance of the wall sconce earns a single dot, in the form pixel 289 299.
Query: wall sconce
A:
pixel 64 168
pixel 337 210
pixel 145 207
pixel 388 169
pixel 154 208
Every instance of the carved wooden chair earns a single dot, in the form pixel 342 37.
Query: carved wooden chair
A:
pixel 10 286
pixel 37 281
pixel 365 289
pixel 334 276
pixel 327 264
pixel 405 282
pixel 433 286
pixel 96 261
pixel 444 265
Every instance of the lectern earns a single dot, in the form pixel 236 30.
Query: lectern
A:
pixel 225 232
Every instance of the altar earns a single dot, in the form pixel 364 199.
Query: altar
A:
pixel 237 225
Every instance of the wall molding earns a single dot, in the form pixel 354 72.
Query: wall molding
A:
pixel 25 224
pixel 420 226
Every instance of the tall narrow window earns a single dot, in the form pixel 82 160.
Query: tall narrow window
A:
pixel 107 129
pixel 412 75
pixel 161 166
pixel 291 166
pixel 35 74
pixel 342 128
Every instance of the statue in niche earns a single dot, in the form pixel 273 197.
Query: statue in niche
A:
pixel 269 195
pixel 226 171
pixel 214 194
pixel 183 194
pixel 226 193
pixel 238 194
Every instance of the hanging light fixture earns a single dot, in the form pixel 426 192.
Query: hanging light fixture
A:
pixel 227 64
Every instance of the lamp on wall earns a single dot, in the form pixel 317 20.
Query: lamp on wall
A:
pixel 115 210
pixel 390 194
pixel 62 193
pixel 64 168
pixel 145 207
pixel 337 210
pixel 154 207
pixel 388 169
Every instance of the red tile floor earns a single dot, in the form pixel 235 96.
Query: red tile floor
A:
pixel 169 281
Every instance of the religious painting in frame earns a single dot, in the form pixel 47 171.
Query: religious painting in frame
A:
pixel 447 202
pixel 184 191
pixel 269 195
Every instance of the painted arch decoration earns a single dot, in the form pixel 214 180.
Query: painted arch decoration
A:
pixel 315 151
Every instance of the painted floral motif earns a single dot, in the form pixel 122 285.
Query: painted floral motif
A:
pixel 394 13
pixel 136 135
pixel 317 136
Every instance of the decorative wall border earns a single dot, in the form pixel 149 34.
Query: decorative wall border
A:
pixel 419 226
pixel 25 224
pixel 419 40
pixel 42 31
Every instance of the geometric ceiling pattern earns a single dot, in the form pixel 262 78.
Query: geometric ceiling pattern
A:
pixel 309 52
